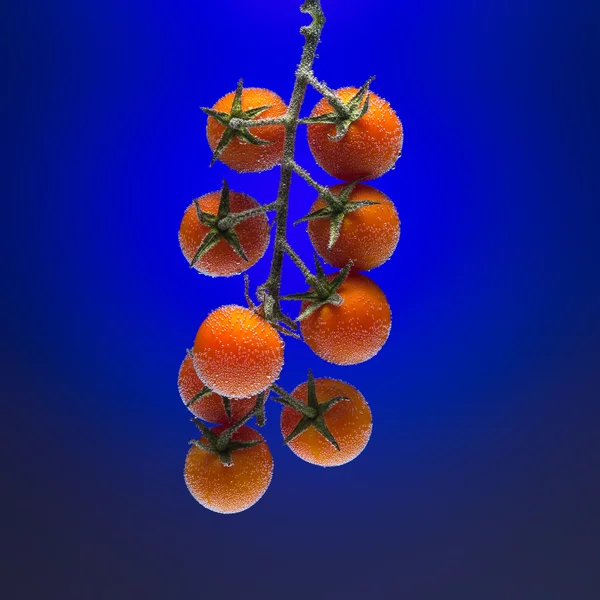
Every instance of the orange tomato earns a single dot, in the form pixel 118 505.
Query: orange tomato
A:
pixel 370 147
pixel 237 487
pixel 368 236
pixel 349 421
pixel 209 408
pixel 237 353
pixel 242 156
pixel 354 331
pixel 222 260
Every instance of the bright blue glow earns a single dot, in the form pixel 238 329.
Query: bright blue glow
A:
pixel 492 290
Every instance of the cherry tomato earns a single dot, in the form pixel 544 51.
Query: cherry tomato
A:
pixel 354 331
pixel 222 260
pixel 368 236
pixel 369 148
pixel 349 421
pixel 229 489
pixel 237 353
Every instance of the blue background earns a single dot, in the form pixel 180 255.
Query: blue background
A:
pixel 481 478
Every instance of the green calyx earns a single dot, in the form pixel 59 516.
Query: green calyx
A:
pixel 222 227
pixel 222 444
pixel 323 290
pixel 345 113
pixel 236 113
pixel 338 206
pixel 313 413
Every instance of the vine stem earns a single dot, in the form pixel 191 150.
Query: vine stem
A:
pixel 312 36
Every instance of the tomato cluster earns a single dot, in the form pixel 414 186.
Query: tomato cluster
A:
pixel 344 317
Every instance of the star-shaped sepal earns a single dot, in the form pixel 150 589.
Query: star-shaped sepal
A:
pixel 324 291
pixel 222 444
pixel 222 226
pixel 236 113
pixel 338 206
pixel 313 412
pixel 345 113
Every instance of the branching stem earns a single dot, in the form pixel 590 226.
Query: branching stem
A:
pixel 312 36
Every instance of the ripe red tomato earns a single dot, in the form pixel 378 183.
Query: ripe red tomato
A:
pixel 368 236
pixel 237 353
pixel 369 148
pixel 210 408
pixel 354 331
pixel 222 260
pixel 229 489
pixel 349 421
pixel 242 156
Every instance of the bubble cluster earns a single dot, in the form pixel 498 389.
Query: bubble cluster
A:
pixel 368 236
pixel 370 147
pixel 237 353
pixel 349 421
pixel 222 260
pixel 354 331
pixel 234 488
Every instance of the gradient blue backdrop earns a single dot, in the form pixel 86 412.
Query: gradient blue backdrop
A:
pixel 481 478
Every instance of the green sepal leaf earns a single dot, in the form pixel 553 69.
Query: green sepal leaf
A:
pixel 255 112
pixel 221 117
pixel 205 218
pixel 334 230
pixel 226 459
pixel 211 239
pixel 321 427
pixel 227 406
pixel 227 136
pixel 247 137
pixel 329 118
pixel 236 105
pixel 211 437
pixel 230 236
pixel 320 213
pixel 352 206
pixel 340 277
pixel 325 406
pixel 312 392
pixel 311 308
pixel 223 209
pixel 302 426
pixel 234 446
pixel 205 391
pixel 341 130
pixel 319 267
pixel 357 99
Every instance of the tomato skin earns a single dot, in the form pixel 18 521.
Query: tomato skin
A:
pixel 237 353
pixel 349 421
pixel 241 156
pixel 230 489
pixel 369 149
pixel 209 408
pixel 354 331
pixel 368 236
pixel 222 260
